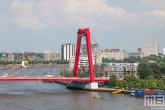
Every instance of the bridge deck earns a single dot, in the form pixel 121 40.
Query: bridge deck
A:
pixel 44 79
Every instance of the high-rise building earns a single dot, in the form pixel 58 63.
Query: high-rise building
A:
pixel 163 51
pixel 150 49
pixel 67 51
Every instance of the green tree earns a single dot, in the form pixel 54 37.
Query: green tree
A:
pixel 47 62
pixel 40 61
pixel 138 58
pixel 112 60
pixel 124 84
pixel 36 61
pixel 138 85
pixel 132 72
pixel 143 70
pixel 70 73
pixel 33 62
pixel 29 62
pixel 153 85
pixel 105 60
pixel 145 85
pixel 156 70
pixel 118 84
pixel 11 62
pixel 162 67
pixel 64 72
pixel 14 62
pixel 19 61
pixel 82 75
pixel 162 86
pixel 112 80
pixel 124 71
pixel 131 85
pixel 54 61
pixel 150 77
pixel 143 60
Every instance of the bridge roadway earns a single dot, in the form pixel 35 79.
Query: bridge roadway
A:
pixel 55 79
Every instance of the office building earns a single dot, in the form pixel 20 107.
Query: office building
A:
pixel 117 55
pixel 67 51
pixel 150 49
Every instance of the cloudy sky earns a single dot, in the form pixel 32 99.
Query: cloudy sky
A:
pixel 40 25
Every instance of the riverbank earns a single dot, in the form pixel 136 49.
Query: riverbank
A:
pixel 34 66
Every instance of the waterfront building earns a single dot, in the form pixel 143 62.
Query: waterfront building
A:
pixel 52 55
pixel 150 49
pixel 102 70
pixel 117 55
pixel 17 57
pixel 10 57
pixel 134 54
pixel 118 69
pixel 67 51
pixel 32 57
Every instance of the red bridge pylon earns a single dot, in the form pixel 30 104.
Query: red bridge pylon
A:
pixel 80 34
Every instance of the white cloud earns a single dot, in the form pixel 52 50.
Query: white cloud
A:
pixel 82 13
pixel 155 4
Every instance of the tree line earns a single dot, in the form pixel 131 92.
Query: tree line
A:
pixel 137 59
pixel 132 82
pixel 6 62
pixel 145 69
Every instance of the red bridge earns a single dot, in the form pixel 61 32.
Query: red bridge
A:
pixel 71 79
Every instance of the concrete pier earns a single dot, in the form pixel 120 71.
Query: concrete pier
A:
pixel 78 85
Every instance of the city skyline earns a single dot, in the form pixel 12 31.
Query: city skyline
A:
pixel 42 25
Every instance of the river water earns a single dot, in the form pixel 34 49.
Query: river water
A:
pixel 53 96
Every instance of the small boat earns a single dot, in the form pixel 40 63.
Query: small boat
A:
pixel 132 94
pixel 13 66
pixel 106 98
pixel 97 97
pixel 102 98
pixel 10 75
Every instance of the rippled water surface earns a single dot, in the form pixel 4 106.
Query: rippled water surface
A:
pixel 53 96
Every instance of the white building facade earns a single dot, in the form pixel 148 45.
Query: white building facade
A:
pixel 83 61
pixel 163 51
pixel 116 55
pixel 67 51
pixel 150 49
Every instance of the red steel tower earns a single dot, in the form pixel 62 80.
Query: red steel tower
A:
pixel 86 33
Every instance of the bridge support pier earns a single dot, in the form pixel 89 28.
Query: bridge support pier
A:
pixel 78 85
